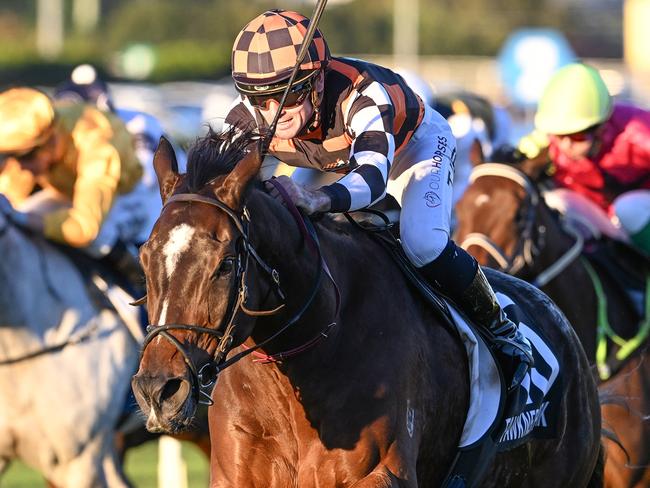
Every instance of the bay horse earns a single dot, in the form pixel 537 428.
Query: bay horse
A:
pixel 504 221
pixel 65 364
pixel 370 391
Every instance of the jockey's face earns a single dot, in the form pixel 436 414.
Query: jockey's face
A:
pixel 293 119
pixel 38 160
pixel 579 145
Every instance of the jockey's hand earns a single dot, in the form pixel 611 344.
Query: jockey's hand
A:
pixel 26 220
pixel 311 201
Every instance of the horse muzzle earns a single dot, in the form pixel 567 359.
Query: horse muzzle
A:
pixel 167 401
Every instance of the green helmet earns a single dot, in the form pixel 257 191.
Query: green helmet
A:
pixel 575 99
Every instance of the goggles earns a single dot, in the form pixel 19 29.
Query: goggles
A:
pixel 582 136
pixel 295 97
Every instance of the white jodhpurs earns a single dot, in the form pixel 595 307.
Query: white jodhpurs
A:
pixel 630 212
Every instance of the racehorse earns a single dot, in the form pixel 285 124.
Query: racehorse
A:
pixel 371 391
pixel 504 221
pixel 65 362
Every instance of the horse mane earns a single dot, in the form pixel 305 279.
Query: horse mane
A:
pixel 216 154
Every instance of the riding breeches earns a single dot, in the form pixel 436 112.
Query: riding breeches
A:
pixel 421 180
pixel 629 217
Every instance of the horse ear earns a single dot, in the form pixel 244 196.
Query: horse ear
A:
pixel 166 167
pixel 476 153
pixel 230 192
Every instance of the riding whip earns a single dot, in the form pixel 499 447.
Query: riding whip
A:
pixel 309 35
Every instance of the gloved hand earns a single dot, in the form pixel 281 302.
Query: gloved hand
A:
pixel 311 201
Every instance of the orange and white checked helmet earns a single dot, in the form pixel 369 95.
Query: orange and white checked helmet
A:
pixel 265 52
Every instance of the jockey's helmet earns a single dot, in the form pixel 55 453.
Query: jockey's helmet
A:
pixel 26 120
pixel 575 99
pixel 85 86
pixel 266 50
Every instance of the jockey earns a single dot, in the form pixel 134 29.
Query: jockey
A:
pixel 600 151
pixel 352 118
pixel 85 86
pixel 84 165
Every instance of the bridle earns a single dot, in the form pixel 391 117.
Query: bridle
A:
pixel 205 376
pixel 532 236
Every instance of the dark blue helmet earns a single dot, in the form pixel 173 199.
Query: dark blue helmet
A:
pixel 84 86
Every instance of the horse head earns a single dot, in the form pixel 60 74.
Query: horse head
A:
pixel 499 216
pixel 195 263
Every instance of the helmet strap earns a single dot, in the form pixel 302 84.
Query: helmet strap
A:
pixel 316 102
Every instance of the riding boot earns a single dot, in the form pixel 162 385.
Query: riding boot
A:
pixel 458 275
pixel 127 266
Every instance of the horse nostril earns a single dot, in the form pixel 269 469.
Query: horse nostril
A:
pixel 170 389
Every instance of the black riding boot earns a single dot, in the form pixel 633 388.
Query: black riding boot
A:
pixel 458 275
pixel 127 266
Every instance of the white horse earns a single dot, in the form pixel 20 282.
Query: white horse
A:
pixel 65 366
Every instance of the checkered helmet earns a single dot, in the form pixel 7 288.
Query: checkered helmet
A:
pixel 266 49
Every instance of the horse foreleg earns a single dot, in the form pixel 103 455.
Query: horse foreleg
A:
pixel 381 477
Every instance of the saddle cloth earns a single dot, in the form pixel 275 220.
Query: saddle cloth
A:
pixel 529 410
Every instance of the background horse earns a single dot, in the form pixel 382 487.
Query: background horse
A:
pixel 504 222
pixel 371 392
pixel 65 364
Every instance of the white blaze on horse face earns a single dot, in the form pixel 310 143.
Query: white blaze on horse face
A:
pixel 179 242
pixel 481 200
pixel 163 314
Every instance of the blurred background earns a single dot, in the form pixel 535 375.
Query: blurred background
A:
pixel 171 59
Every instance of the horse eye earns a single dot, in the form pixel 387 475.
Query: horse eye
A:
pixel 226 267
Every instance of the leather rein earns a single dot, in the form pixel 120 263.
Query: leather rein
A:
pixel 205 376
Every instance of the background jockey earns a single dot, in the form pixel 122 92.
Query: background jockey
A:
pixel 600 151
pixel 85 86
pixel 84 163
pixel 352 118
pixel 479 126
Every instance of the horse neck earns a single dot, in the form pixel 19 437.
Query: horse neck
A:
pixel 31 273
pixel 556 241
pixel 280 243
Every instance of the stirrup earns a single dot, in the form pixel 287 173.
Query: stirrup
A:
pixel 517 359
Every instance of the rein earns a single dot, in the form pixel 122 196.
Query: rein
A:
pixel 205 376
pixel 527 248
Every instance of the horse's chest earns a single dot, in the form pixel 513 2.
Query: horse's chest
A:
pixel 297 455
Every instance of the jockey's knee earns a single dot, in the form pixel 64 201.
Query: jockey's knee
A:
pixel 423 247
pixel 633 210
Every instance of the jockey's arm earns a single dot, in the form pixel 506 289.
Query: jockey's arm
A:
pixel 371 153
pixel 95 188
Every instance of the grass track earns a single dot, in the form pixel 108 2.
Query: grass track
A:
pixel 141 468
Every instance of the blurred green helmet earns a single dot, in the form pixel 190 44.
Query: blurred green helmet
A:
pixel 576 98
